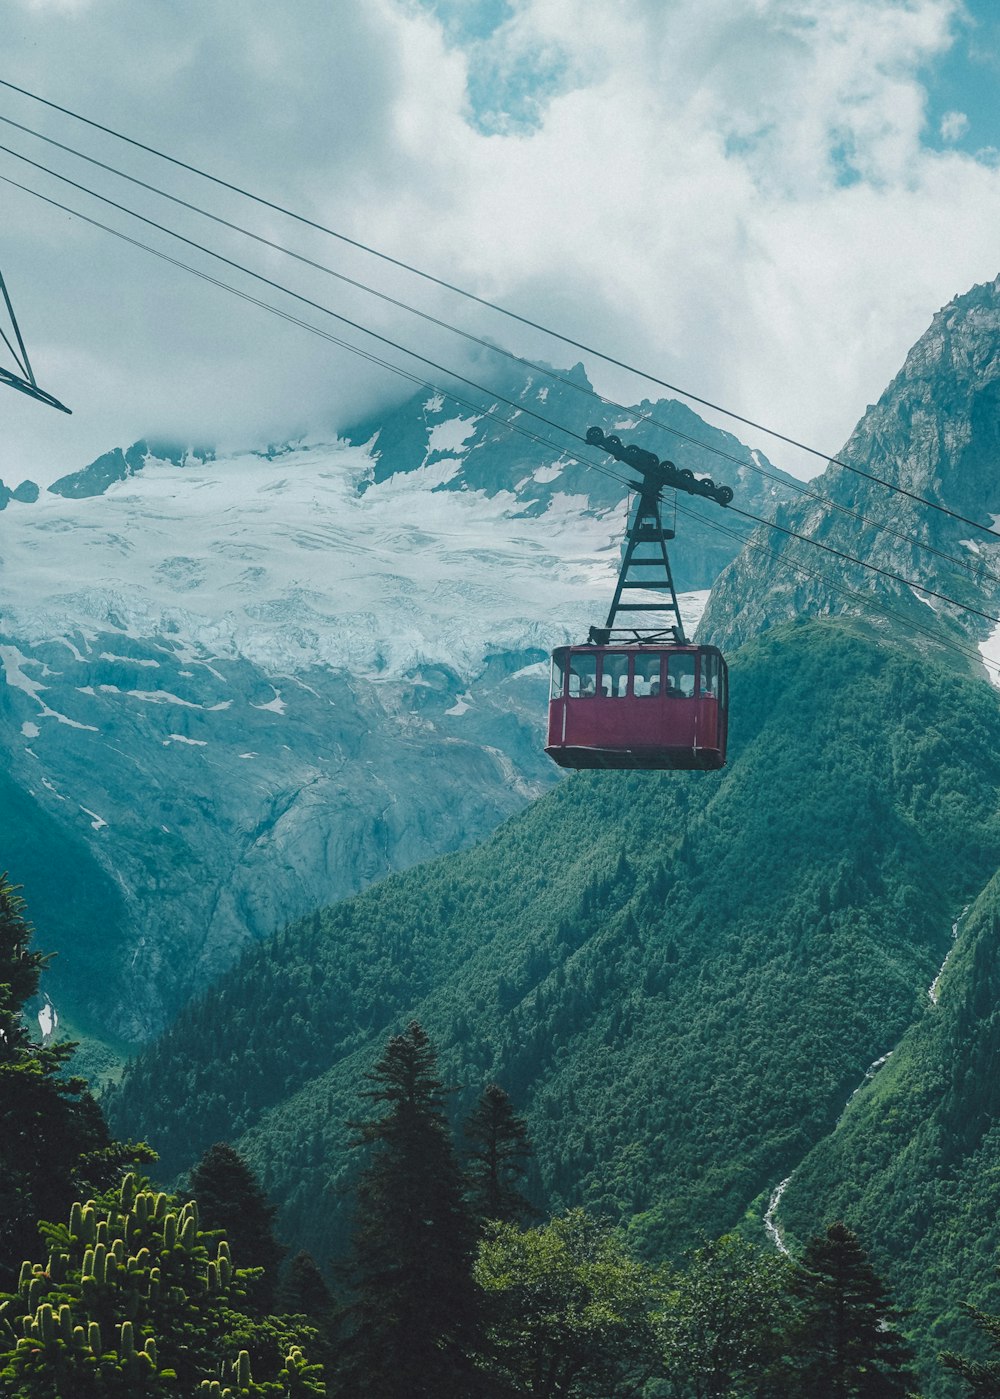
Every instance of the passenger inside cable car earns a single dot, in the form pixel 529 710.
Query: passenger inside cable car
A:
pixel 641 696
pixel 639 706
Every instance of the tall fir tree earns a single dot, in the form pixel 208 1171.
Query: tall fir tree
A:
pixel 498 1153
pixel 303 1290
pixel 415 1314
pixel 134 1301
pixel 231 1200
pixel 54 1142
pixel 846 1344
pixel 982 1377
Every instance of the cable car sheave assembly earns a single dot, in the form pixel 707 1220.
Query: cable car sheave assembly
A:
pixel 25 381
pixel 642 697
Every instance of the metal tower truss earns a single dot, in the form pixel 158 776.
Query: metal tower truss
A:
pixel 646 564
pixel 24 379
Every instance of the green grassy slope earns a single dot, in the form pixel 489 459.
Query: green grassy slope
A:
pixel 679 977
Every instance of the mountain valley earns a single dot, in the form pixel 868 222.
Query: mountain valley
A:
pixel 697 987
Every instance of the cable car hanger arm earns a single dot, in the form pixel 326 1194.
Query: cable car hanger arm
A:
pixel 657 474
pixel 646 531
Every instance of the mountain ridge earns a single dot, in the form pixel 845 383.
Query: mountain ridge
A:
pixel 934 433
pixel 610 948
pixel 226 676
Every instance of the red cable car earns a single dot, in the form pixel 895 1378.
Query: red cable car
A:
pixel 633 698
pixel 638 706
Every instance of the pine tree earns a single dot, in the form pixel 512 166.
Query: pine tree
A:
pixel 497 1158
pixel 847 1344
pixel 134 1301
pixel 303 1290
pixel 231 1200
pixel 415 1311
pixel 982 1377
pixel 54 1142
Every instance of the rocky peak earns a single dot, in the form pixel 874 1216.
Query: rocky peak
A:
pixel 935 432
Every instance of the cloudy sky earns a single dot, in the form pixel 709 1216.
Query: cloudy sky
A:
pixel 762 200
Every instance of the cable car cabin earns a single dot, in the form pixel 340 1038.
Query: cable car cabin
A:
pixel 640 706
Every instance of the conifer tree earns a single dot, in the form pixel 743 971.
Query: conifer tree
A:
pixel 53 1139
pixel 847 1344
pixel 499 1150
pixel 134 1301
pixel 231 1200
pixel 415 1312
pixel 982 1377
pixel 303 1289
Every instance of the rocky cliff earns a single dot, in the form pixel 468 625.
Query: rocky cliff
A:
pixel 935 432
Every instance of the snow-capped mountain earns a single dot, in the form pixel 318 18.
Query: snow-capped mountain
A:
pixel 240 688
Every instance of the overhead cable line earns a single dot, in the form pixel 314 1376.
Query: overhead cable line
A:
pixel 287 291
pixel 866 600
pixel 548 422
pixel 961 563
pixel 879 525
pixel 499 309
pixel 483 343
pixel 849 558
pixel 450 394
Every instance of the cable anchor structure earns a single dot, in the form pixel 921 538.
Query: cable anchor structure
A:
pixel 24 381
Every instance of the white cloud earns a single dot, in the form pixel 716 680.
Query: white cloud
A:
pixel 735 193
pixel 954 125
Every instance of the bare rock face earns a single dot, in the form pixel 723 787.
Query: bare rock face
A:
pixel 163 809
pixel 26 494
pixel 935 432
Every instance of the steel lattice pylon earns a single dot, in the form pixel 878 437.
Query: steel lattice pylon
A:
pixel 24 381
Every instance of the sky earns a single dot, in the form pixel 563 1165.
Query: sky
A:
pixel 763 201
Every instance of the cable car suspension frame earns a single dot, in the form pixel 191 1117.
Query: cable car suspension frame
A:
pixel 649 570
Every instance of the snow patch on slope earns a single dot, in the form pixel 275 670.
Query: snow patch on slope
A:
pixel 290 565
pixel 13 660
pixel 451 435
pixel 990 652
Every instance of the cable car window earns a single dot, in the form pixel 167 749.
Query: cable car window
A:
pixel 582 676
pixel 709 675
pixel 614 674
pixel 557 680
pixel 647 675
pixel 680 675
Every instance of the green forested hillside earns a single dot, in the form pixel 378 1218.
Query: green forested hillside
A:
pixel 678 977
pixel 915 1164
pixel 77 904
